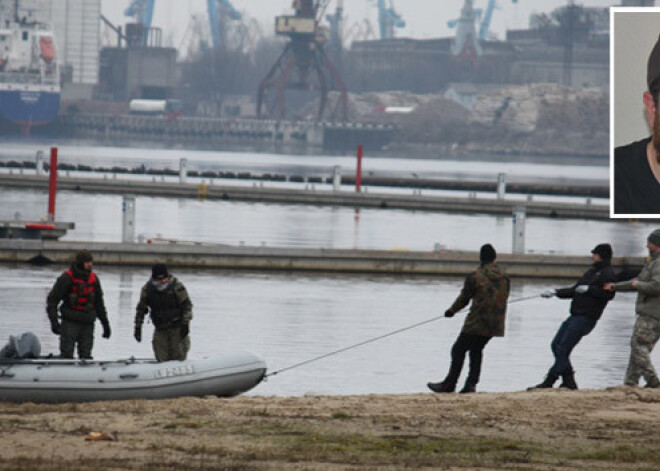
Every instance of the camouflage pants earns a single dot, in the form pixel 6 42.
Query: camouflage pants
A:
pixel 168 344
pixel 645 335
pixel 74 333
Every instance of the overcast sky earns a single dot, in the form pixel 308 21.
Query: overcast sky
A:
pixel 424 18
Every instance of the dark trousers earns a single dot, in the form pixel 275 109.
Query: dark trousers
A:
pixel 467 343
pixel 568 336
pixel 73 334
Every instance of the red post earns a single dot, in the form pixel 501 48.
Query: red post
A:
pixel 52 184
pixel 358 172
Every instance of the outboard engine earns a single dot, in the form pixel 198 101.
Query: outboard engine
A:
pixel 23 346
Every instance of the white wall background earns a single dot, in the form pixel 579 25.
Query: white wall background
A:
pixel 635 32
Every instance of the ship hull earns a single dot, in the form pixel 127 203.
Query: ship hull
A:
pixel 29 105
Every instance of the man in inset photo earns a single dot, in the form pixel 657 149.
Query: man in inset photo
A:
pixel 636 166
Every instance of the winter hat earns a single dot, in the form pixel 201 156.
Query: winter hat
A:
pixel 487 253
pixel 654 237
pixel 159 272
pixel 83 256
pixel 604 250
pixel 653 68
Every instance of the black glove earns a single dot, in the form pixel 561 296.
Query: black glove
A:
pixel 449 313
pixel 137 333
pixel 55 327
pixel 106 330
pixel 185 330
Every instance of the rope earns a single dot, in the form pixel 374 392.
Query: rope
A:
pixel 380 337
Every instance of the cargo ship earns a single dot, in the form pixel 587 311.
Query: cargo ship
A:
pixel 29 71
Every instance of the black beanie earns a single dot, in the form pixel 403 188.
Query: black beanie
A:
pixel 604 250
pixel 487 253
pixel 83 256
pixel 653 67
pixel 159 271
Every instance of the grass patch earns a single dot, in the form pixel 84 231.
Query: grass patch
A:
pixel 619 454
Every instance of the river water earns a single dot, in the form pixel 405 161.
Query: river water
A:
pixel 289 318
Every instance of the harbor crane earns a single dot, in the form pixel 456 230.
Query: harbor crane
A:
pixel 220 12
pixel 302 66
pixel 485 17
pixel 388 19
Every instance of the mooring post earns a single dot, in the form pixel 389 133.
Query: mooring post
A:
pixel 358 171
pixel 519 216
pixel 52 184
pixel 501 185
pixel 336 178
pixel 40 162
pixel 183 170
pixel 128 215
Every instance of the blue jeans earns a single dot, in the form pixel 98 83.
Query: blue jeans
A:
pixel 568 336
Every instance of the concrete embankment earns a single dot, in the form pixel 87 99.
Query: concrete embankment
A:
pixel 386 262
pixel 259 193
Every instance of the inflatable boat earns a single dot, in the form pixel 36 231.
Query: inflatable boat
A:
pixel 45 380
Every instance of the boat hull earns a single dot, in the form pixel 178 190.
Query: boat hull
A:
pixel 56 381
pixel 29 105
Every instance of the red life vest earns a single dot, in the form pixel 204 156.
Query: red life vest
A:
pixel 82 290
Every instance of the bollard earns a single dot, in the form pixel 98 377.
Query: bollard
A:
pixel 183 170
pixel 358 170
pixel 52 184
pixel 501 185
pixel 336 178
pixel 128 223
pixel 40 162
pixel 519 216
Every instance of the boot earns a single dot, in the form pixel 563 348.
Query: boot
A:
pixel 442 387
pixel 469 387
pixel 653 383
pixel 547 383
pixel 568 381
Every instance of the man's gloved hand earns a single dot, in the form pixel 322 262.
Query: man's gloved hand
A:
pixel 137 333
pixel 106 330
pixel 449 313
pixel 185 330
pixel 55 327
pixel 581 289
pixel 548 293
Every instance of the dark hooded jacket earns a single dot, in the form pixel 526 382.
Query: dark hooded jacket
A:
pixel 62 295
pixel 592 303
pixel 488 288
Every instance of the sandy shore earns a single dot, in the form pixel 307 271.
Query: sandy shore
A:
pixel 558 429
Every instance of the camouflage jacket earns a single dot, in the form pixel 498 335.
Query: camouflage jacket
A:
pixel 648 288
pixel 175 291
pixel 488 288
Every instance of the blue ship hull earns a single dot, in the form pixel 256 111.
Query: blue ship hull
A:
pixel 29 107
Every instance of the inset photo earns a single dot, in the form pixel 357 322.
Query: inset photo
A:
pixel 634 123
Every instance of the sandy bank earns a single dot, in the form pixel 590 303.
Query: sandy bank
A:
pixel 611 429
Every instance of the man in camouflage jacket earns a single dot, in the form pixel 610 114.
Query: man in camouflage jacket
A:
pixel 647 324
pixel 78 295
pixel 166 300
pixel 488 288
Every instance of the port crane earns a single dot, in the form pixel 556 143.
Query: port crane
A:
pixel 388 19
pixel 302 66
pixel 486 17
pixel 219 13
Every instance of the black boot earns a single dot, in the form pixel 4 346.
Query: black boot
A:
pixel 442 387
pixel 568 381
pixel 469 387
pixel 547 383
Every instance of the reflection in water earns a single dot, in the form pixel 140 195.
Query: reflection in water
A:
pixel 291 318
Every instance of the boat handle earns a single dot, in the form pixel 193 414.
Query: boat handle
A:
pixel 128 376
pixel 5 373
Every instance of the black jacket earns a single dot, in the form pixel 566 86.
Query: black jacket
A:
pixel 593 302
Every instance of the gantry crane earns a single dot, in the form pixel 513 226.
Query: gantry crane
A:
pixel 303 65
pixel 220 12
